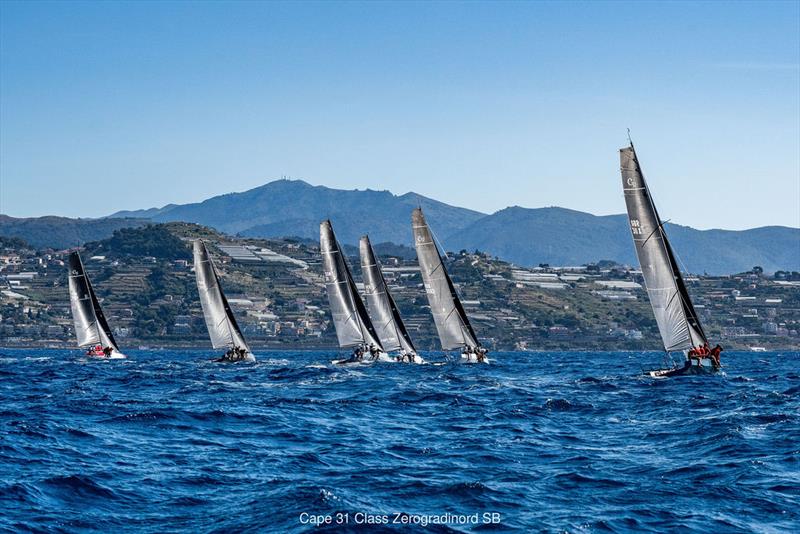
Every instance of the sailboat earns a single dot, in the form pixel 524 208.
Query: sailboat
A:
pixel 675 315
pixel 91 327
pixel 222 327
pixel 452 324
pixel 353 326
pixel 387 321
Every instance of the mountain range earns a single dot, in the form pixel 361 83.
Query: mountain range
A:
pixel 558 236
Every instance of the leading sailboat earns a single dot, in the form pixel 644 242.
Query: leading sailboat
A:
pixel 222 327
pixel 353 326
pixel 91 327
pixel 387 321
pixel 675 315
pixel 452 324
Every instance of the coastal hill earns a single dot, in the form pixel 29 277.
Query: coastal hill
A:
pixel 144 279
pixel 527 237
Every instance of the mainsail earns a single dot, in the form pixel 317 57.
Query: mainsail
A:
pixel 448 313
pixel 91 327
pixel 353 325
pixel 222 327
pixel 677 320
pixel 387 321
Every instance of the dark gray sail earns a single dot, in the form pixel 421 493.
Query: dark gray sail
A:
pixel 91 327
pixel 353 325
pixel 383 310
pixel 451 320
pixel 676 318
pixel 223 329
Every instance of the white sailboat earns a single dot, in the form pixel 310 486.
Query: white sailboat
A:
pixel 452 323
pixel 91 328
pixel 385 316
pixel 675 315
pixel 353 325
pixel 222 326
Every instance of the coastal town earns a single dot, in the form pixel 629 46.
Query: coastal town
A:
pixel 145 280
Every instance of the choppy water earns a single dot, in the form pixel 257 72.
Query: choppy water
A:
pixel 167 441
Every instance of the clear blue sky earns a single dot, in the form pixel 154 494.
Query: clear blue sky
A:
pixel 107 106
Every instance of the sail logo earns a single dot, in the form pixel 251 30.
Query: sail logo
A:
pixel 631 181
pixel 329 276
pixel 636 227
pixel 420 239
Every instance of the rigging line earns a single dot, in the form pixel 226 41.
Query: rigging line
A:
pixel 660 226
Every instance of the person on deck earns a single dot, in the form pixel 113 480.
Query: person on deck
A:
pixel 373 352
pixel 358 353
pixel 107 351
pixel 480 354
pixel 714 355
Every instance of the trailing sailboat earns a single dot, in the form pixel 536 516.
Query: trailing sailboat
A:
pixel 675 315
pixel 222 327
pixel 452 324
pixel 387 321
pixel 91 327
pixel 353 326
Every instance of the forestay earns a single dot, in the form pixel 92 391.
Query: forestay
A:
pixel 353 325
pixel 386 318
pixel 449 316
pixel 91 327
pixel 676 318
pixel 222 327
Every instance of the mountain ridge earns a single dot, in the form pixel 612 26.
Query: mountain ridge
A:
pixel 526 236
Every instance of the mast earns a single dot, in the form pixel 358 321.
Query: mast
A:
pixel 222 327
pixel 353 325
pixel 675 315
pixel 452 324
pixel 387 320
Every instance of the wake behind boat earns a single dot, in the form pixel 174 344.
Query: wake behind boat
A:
pixel 675 315
pixel 386 317
pixel 91 327
pixel 350 319
pixel 222 327
pixel 452 323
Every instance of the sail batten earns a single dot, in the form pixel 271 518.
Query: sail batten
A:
pixel 452 324
pixel 91 327
pixel 390 328
pixel 223 330
pixel 675 315
pixel 353 325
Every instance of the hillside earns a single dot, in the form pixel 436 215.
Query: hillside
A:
pixel 63 232
pixel 295 208
pixel 147 288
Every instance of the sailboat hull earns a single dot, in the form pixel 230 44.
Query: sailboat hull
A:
pixel 382 358
pixel 471 358
pixel 686 370
pixel 115 355
pixel 246 358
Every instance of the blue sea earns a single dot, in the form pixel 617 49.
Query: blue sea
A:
pixel 168 441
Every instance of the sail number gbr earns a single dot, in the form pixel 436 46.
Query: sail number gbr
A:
pixel 636 227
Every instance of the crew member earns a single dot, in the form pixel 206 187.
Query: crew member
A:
pixel 373 351
pixel 714 355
